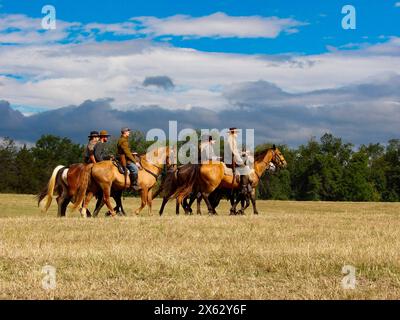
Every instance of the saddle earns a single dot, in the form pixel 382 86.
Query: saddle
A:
pixel 119 166
pixel 228 171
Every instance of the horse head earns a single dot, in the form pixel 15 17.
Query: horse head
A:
pixel 277 157
pixel 159 156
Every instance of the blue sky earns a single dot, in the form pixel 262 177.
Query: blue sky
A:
pixel 375 18
pixel 292 62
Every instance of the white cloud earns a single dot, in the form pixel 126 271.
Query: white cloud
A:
pixel 51 74
pixel 218 25
pixel 20 29
pixel 397 4
pixel 56 75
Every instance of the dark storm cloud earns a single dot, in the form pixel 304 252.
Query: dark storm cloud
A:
pixel 360 113
pixel 163 82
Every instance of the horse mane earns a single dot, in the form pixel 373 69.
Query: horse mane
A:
pixel 260 154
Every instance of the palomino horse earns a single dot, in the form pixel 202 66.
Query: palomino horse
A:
pixel 207 177
pixel 67 182
pixel 106 176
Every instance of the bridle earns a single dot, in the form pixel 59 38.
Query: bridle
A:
pixel 276 160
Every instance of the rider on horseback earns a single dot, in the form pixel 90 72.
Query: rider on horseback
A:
pixel 89 152
pixel 207 152
pixel 126 157
pixel 237 160
pixel 100 149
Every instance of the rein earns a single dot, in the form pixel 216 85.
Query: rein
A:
pixel 147 170
pixel 152 164
pixel 267 164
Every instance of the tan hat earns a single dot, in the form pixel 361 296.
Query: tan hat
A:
pixel 104 133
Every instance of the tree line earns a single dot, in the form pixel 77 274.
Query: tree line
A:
pixel 324 169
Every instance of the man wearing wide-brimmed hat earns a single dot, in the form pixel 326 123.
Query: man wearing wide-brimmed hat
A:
pixel 233 147
pixel 238 164
pixel 89 152
pixel 100 149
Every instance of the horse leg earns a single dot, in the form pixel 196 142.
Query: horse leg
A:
pixel 164 202
pixel 118 201
pixel 192 198
pixel 242 198
pixel 149 200
pixel 64 206
pixel 211 210
pixel 245 202
pixel 84 210
pixel 187 205
pixel 143 195
pixel 99 204
pixel 253 201
pixel 199 203
pixel 233 204
pixel 106 197
pixel 176 207
pixel 62 202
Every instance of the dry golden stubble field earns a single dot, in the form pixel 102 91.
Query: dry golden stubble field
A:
pixel 292 250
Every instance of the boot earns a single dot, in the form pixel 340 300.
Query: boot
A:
pixel 134 181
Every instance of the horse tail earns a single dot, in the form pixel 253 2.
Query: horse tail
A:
pixel 83 186
pixel 186 187
pixel 46 196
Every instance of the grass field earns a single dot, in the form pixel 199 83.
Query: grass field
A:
pixel 292 250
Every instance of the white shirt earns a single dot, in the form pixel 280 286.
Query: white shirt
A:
pixel 232 145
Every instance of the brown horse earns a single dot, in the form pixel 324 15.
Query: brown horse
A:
pixel 207 177
pixel 106 176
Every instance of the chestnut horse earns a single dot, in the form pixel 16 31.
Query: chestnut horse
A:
pixel 207 177
pixel 106 176
pixel 67 182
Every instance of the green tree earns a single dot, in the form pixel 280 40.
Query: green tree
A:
pixel 50 151
pixel 392 156
pixel 26 174
pixel 8 152
pixel 356 186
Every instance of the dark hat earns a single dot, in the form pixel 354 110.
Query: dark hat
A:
pixel 233 129
pixel 125 129
pixel 93 134
pixel 104 133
